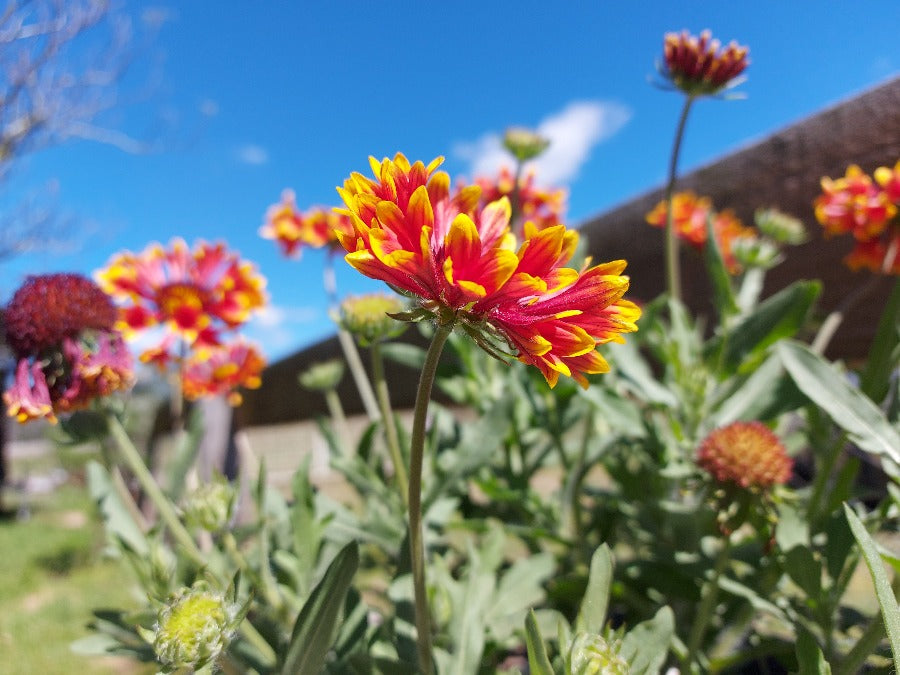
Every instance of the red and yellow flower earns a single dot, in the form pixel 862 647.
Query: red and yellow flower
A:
pixel 689 215
pixel 464 264
pixel 699 66
pixel 293 230
pixel 60 328
pixel 222 370
pixel 195 295
pixel 867 209
pixel 543 207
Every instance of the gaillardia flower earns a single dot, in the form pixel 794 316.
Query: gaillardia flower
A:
pixel 746 454
pixel 293 230
pixel 60 328
pixel 544 207
pixel 466 267
pixel 868 210
pixel 195 295
pixel 220 370
pixel 698 66
pixel 689 216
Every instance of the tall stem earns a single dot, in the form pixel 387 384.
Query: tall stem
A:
pixel 387 419
pixel 164 507
pixel 707 603
pixel 351 354
pixel 673 268
pixel 416 452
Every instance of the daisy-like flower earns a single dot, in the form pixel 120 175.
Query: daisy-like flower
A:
pixel 221 371
pixel 746 454
pixel 195 295
pixel 60 328
pixel 293 230
pixel 465 266
pixel 689 215
pixel 699 66
pixel 867 209
pixel 543 207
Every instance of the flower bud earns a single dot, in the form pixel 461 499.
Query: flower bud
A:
pixel 322 376
pixel 753 252
pixel 524 144
pixel 592 655
pixel 193 628
pixel 210 506
pixel 780 226
pixel 366 317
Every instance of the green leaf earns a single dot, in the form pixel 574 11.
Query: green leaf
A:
pixel 802 567
pixel 809 656
pixel 592 614
pixel 646 645
pixel 765 394
pixel 875 379
pixel 777 317
pixel 847 406
pixel 404 354
pixel 319 620
pixel 116 516
pixel 538 661
pixel 723 292
pixel 890 612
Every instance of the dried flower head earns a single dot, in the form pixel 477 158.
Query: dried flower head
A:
pixel 367 317
pixel 747 454
pixel 698 66
pixel 60 328
pixel 50 307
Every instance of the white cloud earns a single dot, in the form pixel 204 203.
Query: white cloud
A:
pixel 274 316
pixel 573 132
pixel 252 154
pixel 156 17
pixel 209 107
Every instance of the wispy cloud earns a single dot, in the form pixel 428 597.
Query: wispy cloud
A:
pixel 155 17
pixel 253 154
pixel 209 107
pixel 573 133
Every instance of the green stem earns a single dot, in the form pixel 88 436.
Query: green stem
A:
pixel 338 420
pixel 864 647
pixel 271 595
pixel 136 465
pixel 823 473
pixel 390 424
pixel 416 453
pixel 579 469
pixel 673 269
pixel 707 603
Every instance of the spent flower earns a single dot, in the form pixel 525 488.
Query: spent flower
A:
pixel 700 66
pixel 60 328
pixel 466 268
pixel 746 454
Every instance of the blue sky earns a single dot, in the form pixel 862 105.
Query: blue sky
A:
pixel 253 97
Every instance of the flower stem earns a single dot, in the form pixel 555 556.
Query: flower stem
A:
pixel 387 419
pixel 136 465
pixel 707 603
pixel 673 269
pixel 416 452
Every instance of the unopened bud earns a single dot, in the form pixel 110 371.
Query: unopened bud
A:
pixel 366 317
pixel 322 376
pixel 524 144
pixel 210 506
pixel 592 655
pixel 193 628
pixel 780 226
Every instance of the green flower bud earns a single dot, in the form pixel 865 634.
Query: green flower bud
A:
pixel 781 227
pixel 753 252
pixel 210 506
pixel 524 144
pixel 193 628
pixel 323 376
pixel 366 317
pixel 592 655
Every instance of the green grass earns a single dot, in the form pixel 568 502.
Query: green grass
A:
pixel 52 575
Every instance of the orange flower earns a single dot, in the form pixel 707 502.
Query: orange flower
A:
pixel 60 329
pixel 543 207
pixel 866 209
pixel 747 454
pixel 463 263
pixel 195 295
pixel 294 230
pixel 698 66
pixel 214 371
pixel 690 214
